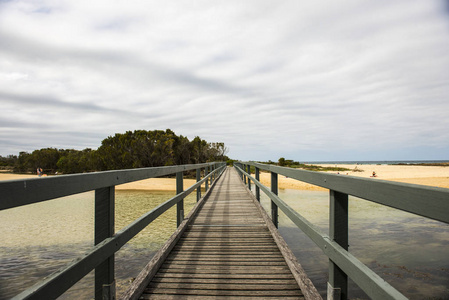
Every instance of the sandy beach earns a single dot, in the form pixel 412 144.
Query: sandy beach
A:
pixel 152 184
pixel 436 176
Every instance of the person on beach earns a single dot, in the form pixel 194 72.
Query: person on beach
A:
pixel 374 174
pixel 39 172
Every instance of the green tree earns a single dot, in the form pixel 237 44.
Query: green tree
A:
pixel 281 161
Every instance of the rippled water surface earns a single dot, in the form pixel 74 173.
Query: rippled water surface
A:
pixel 39 239
pixel 410 252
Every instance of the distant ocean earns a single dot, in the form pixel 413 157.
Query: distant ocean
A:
pixel 379 162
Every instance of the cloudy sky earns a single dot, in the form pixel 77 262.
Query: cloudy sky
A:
pixel 306 80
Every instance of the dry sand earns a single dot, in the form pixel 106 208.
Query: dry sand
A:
pixel 435 176
pixel 153 184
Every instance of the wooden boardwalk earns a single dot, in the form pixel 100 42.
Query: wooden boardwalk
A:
pixel 229 249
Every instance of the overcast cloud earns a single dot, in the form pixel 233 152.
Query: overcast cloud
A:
pixel 306 80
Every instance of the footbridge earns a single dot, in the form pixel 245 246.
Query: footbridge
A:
pixel 227 246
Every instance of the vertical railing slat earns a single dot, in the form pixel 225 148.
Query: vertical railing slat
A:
pixel 104 228
pixel 257 187
pixel 198 190
pixel 249 181
pixel 206 171
pixel 180 204
pixel 244 176
pixel 274 207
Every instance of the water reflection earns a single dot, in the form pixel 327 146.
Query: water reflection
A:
pixel 408 251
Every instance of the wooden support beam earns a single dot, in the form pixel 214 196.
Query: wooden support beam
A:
pixel 274 207
pixel 338 232
pixel 249 181
pixel 104 228
pixel 206 171
pixel 257 187
pixel 244 176
pixel 198 190
pixel 180 204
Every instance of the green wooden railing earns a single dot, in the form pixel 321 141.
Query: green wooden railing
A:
pixel 15 193
pixel 429 202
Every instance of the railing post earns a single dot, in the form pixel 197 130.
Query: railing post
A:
pixel 249 181
pixel 198 190
pixel 244 176
pixel 274 207
pixel 180 204
pixel 257 187
pixel 207 180
pixel 104 228
pixel 337 288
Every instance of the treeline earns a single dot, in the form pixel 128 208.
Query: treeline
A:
pixel 137 149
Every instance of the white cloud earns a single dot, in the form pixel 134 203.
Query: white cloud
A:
pixel 325 80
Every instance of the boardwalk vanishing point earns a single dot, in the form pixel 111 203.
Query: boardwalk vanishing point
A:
pixel 227 248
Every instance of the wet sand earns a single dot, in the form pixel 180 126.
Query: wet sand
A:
pixel 436 176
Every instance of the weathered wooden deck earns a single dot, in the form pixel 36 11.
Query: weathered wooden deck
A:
pixel 228 249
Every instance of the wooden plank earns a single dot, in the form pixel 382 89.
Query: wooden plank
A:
pixel 204 297
pixel 223 286
pixel 241 253
pixel 225 274
pixel 229 293
pixel 223 263
pixel 218 269
pixel 225 280
pixel 226 259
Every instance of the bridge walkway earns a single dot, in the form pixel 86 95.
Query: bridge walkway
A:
pixel 229 249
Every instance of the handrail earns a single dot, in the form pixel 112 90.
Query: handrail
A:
pixel 101 257
pixel 404 196
pixel 20 192
pixel 425 201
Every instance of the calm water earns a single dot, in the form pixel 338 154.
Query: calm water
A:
pixel 39 239
pixel 409 252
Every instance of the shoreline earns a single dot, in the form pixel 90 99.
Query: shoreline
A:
pixel 435 176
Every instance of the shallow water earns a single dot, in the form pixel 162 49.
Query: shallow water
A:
pixel 39 239
pixel 409 252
